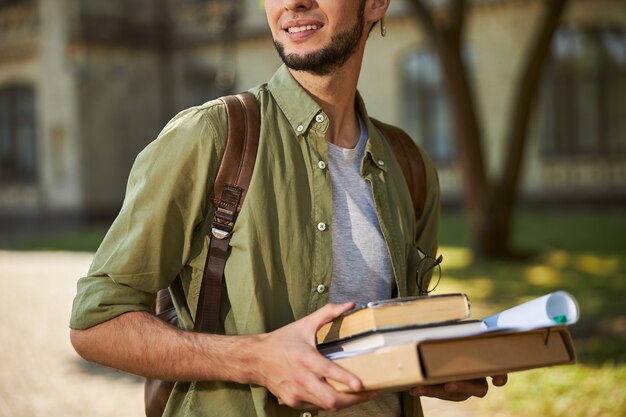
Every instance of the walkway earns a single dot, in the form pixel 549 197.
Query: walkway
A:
pixel 41 376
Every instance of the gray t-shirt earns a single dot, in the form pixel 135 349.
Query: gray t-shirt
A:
pixel 362 270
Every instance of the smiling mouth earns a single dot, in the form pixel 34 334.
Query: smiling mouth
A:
pixel 298 29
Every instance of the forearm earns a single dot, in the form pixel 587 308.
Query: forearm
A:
pixel 285 361
pixel 140 343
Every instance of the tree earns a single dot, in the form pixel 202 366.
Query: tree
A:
pixel 490 204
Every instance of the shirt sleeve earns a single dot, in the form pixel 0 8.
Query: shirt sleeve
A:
pixel 149 241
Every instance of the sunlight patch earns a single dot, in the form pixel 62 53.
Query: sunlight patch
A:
pixel 456 257
pixel 542 276
pixel 597 265
pixel 559 259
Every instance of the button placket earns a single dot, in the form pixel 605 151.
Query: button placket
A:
pixel 321 214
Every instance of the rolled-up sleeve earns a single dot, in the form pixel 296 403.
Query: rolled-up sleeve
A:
pixel 149 241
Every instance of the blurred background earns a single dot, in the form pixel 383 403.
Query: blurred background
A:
pixel 520 103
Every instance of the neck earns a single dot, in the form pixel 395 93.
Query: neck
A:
pixel 335 93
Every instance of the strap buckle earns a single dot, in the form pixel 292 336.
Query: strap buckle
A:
pixel 221 230
pixel 223 223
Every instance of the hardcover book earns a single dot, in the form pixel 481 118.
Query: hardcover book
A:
pixel 379 339
pixel 436 361
pixel 394 314
pixel 531 335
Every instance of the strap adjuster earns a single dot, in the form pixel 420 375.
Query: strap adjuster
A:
pixel 220 234
pixel 221 230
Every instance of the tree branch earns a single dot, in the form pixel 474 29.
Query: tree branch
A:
pixel 457 22
pixel 426 19
pixel 505 195
pixel 527 87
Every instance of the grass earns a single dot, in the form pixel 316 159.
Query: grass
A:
pixel 86 240
pixel 583 253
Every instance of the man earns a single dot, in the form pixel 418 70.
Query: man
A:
pixel 327 217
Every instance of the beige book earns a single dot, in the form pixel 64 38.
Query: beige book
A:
pixel 379 339
pixel 396 313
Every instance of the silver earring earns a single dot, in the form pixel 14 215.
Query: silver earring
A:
pixel 383 28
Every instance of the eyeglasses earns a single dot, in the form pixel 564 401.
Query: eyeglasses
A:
pixel 426 265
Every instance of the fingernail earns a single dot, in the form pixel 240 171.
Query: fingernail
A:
pixel 355 385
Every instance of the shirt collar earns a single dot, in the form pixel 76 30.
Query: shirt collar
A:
pixel 300 110
pixel 376 145
pixel 297 105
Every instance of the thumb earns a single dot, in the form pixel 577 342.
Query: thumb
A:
pixel 328 313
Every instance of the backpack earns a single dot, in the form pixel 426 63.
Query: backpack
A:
pixel 228 193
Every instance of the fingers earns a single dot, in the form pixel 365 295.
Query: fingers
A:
pixel 328 313
pixel 300 373
pixel 314 388
pixel 337 403
pixel 315 393
pixel 499 380
pixel 471 388
pixel 439 391
pixel 331 400
pixel 453 391
pixel 329 370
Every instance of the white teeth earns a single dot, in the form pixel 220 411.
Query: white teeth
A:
pixel 302 28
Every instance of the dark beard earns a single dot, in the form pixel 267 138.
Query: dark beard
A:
pixel 330 57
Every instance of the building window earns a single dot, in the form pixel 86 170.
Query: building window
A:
pixel 18 148
pixel 426 111
pixel 584 93
pixel 13 2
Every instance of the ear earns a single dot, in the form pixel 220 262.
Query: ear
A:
pixel 376 9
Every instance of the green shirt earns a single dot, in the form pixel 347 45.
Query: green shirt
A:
pixel 281 246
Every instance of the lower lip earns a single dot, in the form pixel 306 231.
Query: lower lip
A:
pixel 298 36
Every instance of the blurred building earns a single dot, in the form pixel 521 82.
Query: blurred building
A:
pixel 86 84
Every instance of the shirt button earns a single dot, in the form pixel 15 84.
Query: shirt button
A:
pixel 321 226
pixel 300 128
pixel 321 288
pixel 381 162
pixel 321 164
pixel 319 118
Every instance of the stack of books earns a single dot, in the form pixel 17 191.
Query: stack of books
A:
pixel 396 344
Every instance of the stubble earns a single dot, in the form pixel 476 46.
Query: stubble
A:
pixel 324 61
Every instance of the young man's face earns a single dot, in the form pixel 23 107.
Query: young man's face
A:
pixel 317 36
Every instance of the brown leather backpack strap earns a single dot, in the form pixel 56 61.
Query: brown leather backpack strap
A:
pixel 411 162
pixel 228 193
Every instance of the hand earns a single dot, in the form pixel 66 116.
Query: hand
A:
pixel 459 390
pixel 294 371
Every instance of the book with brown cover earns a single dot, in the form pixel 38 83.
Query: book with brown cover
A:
pixel 396 313
pixel 433 361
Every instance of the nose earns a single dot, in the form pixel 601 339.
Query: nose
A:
pixel 297 5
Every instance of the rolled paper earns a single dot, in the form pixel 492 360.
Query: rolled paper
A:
pixel 559 307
